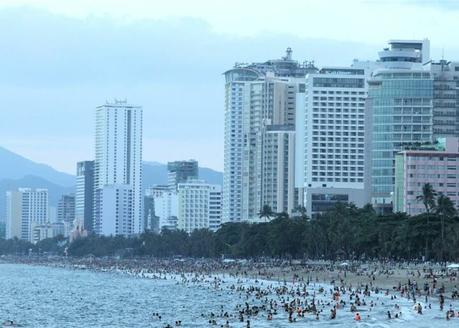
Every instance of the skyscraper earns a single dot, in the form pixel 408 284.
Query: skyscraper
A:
pixel 118 169
pixel 26 209
pixel 84 195
pixel 331 138
pixel 400 112
pixel 259 136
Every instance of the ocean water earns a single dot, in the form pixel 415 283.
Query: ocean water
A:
pixel 36 296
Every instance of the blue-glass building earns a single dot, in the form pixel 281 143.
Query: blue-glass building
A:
pixel 399 113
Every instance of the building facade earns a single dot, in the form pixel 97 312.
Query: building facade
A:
pixel 149 218
pixel 84 196
pixel 115 210
pixel 400 112
pixel 414 168
pixel 331 139
pixel 118 168
pixel 445 99
pixel 25 208
pixel 41 231
pixel 165 206
pixel 260 102
pixel 199 206
pixel 66 212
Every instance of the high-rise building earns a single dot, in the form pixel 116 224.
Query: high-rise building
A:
pixel 399 112
pixel 199 206
pixel 181 171
pixel 114 210
pixel 445 98
pixel 260 101
pixel 66 212
pixel 84 196
pixel 26 208
pixel 118 169
pixel 331 138
pixel 437 166
pixel 215 207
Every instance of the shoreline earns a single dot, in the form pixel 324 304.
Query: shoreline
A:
pixel 382 275
pixel 310 292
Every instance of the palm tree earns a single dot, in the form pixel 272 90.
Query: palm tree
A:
pixel 445 206
pixel 445 209
pixel 266 213
pixel 427 197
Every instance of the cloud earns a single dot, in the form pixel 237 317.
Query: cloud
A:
pixel 56 69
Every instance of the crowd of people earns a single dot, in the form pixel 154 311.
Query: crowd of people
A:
pixel 295 291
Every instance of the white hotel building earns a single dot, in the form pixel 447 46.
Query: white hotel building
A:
pixel 118 201
pixel 165 206
pixel 260 102
pixel 26 209
pixel 199 206
pixel 330 127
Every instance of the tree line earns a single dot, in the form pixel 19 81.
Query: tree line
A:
pixel 344 232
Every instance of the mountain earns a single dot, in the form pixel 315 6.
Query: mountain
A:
pixel 18 171
pixel 16 167
pixel 156 173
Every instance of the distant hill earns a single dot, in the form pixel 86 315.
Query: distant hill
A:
pixel 18 171
pixel 14 166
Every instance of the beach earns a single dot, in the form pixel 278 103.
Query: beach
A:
pixel 267 291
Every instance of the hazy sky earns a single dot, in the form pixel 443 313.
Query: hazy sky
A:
pixel 60 59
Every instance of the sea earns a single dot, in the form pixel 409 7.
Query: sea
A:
pixel 41 296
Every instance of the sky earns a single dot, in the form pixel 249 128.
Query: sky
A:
pixel 59 59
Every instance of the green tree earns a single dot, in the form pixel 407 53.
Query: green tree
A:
pixel 266 213
pixel 445 209
pixel 427 197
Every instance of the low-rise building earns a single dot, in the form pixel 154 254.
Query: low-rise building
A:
pixel 41 231
pixel 165 207
pixel 438 166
